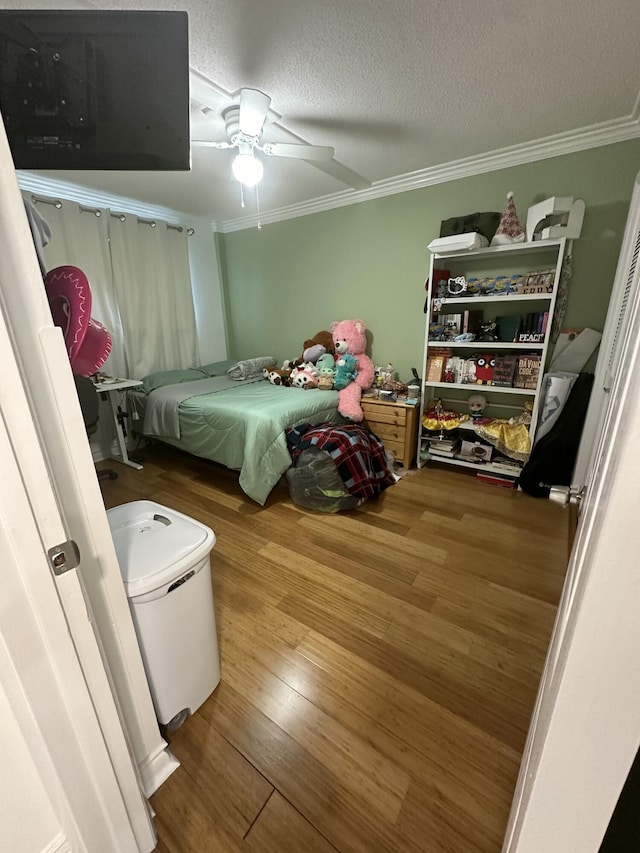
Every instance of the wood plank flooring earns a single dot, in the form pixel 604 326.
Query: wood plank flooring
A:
pixel 379 668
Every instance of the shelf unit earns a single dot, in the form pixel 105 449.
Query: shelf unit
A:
pixel 500 260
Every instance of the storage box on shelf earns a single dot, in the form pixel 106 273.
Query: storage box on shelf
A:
pixel 511 295
pixel 395 424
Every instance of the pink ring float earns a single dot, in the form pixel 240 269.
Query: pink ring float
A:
pixel 87 341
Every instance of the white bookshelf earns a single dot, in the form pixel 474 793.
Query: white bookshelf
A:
pixel 500 260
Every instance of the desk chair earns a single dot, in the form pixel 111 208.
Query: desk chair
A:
pixel 89 405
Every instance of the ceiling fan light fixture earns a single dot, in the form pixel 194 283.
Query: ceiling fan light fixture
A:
pixel 247 169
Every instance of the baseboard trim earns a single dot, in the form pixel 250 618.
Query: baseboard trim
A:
pixel 156 769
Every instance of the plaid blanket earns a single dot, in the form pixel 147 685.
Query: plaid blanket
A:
pixel 359 455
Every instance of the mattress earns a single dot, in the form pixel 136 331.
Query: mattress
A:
pixel 243 428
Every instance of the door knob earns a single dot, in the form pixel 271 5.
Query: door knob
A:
pixel 565 495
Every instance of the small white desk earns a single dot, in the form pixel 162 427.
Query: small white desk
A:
pixel 105 389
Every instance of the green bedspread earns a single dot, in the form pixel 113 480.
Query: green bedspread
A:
pixel 243 428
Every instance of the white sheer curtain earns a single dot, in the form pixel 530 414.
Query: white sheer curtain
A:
pixel 140 284
pixel 81 238
pixel 153 291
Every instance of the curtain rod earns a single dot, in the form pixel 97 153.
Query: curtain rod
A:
pixel 152 222
pixel 98 212
pixel 37 199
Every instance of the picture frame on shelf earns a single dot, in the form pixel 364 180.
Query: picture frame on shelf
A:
pixel 540 281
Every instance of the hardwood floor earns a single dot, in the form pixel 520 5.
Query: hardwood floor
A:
pixel 379 668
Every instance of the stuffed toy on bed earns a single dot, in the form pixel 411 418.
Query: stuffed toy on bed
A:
pixel 305 376
pixel 325 366
pixel 318 345
pixel 349 337
pixel 277 377
pixel 312 350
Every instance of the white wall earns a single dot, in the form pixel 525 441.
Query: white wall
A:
pixel 207 294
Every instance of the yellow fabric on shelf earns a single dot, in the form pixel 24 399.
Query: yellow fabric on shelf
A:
pixel 436 417
pixel 509 437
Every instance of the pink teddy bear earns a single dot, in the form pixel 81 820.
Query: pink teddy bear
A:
pixel 349 336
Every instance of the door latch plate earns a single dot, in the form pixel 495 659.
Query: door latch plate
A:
pixel 64 557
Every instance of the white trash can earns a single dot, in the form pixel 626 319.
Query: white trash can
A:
pixel 164 558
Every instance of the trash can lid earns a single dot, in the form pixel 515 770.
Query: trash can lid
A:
pixel 155 544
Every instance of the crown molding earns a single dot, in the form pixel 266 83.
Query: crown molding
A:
pixel 571 142
pixel 64 190
pixel 594 136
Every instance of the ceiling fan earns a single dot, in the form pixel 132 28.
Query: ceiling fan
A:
pixel 244 125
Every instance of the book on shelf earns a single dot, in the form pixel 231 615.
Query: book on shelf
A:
pixel 527 371
pixel 443 444
pixel 435 368
pixel 504 370
pixel 435 451
pixel 443 351
pixel 442 440
pixel 507 466
pixel 533 327
pixel 471 321
pixel 496 479
pixel 437 358
pixel 508 327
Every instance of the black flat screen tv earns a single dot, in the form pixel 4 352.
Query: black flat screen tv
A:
pixel 95 89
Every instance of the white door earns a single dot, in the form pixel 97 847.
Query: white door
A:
pixel 59 787
pixel 57 687
pixel 55 411
pixel 585 730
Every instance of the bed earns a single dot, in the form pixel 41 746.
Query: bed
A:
pixel 237 423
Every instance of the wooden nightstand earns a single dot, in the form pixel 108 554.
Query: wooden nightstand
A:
pixel 395 424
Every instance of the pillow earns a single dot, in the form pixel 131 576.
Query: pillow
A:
pixel 250 368
pixel 216 368
pixel 171 377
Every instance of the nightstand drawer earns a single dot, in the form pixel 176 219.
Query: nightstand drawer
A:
pixel 394 432
pixel 386 413
pixel 397 448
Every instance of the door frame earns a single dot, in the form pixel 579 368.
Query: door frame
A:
pixel 585 729
pixel 615 330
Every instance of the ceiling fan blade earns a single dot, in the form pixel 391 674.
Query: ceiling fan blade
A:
pixel 302 151
pixel 378 129
pixel 207 143
pixel 254 106
pixel 342 173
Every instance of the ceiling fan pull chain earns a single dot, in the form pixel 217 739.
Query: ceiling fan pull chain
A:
pixel 258 208
pixel 241 195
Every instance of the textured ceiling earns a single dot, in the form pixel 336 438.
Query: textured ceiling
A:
pixel 395 86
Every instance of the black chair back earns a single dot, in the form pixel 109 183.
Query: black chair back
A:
pixel 88 402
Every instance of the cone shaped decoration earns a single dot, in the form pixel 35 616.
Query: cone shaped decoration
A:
pixel 509 230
